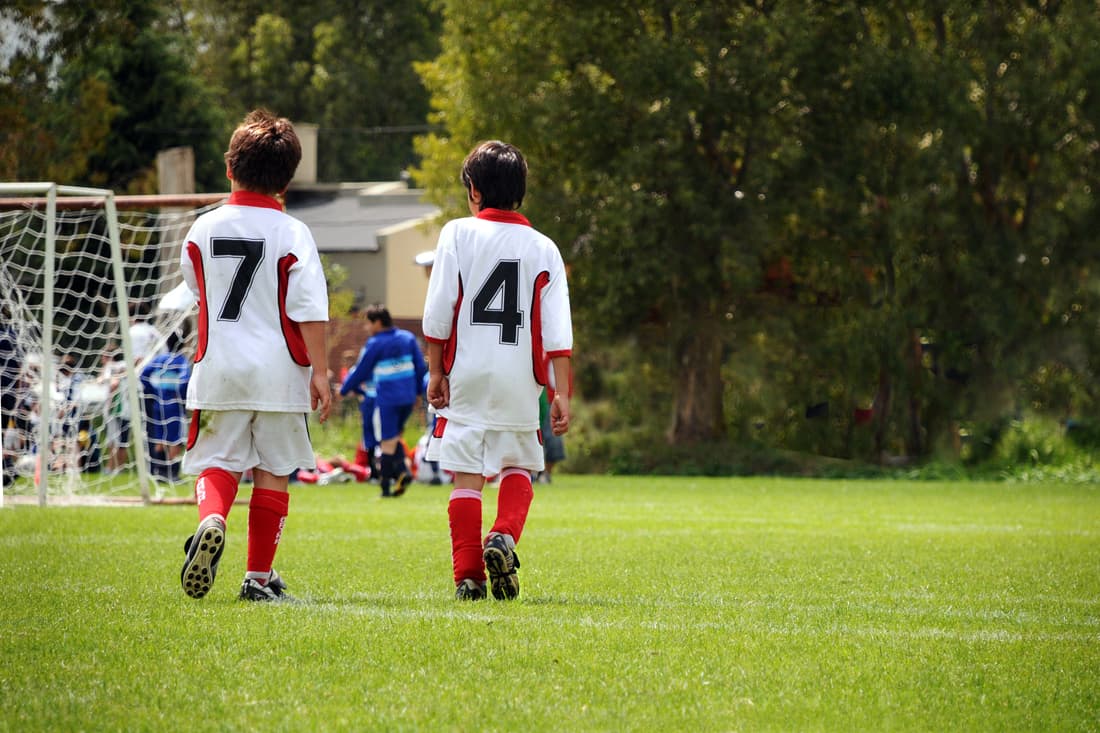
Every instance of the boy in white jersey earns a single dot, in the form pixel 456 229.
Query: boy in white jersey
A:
pixel 261 362
pixel 497 299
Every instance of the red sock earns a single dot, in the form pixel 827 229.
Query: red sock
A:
pixel 266 515
pixel 362 458
pixel 215 491
pixel 513 500
pixel 464 510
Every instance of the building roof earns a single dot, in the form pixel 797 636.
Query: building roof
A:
pixel 348 217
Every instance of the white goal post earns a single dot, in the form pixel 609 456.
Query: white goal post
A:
pixel 83 413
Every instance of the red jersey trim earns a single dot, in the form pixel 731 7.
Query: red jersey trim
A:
pixel 292 333
pixel 193 428
pixel 450 346
pixel 204 312
pixel 563 352
pixel 431 340
pixel 538 363
pixel 251 198
pixel 503 216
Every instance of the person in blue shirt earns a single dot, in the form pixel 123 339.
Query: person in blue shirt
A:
pixel 164 385
pixel 392 360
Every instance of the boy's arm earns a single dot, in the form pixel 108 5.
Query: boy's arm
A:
pixel 320 391
pixel 439 389
pixel 559 409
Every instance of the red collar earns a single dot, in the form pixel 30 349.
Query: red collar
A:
pixel 503 216
pixel 251 198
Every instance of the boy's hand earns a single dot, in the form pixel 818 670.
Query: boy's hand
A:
pixel 559 414
pixel 439 391
pixel 320 394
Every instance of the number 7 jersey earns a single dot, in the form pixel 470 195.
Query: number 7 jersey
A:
pixel 256 273
pixel 497 300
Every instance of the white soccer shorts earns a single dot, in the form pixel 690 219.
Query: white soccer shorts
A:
pixel 466 449
pixel 237 440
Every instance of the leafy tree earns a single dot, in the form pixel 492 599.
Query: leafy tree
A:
pixel 838 205
pixel 654 132
pixel 98 89
pixel 46 133
pixel 346 66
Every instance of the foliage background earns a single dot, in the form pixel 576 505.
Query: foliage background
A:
pixel 844 231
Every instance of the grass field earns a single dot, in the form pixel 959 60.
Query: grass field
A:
pixel 647 604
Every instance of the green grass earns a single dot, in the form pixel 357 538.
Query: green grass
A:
pixel 647 604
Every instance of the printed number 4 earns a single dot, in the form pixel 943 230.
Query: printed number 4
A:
pixel 251 254
pixel 504 279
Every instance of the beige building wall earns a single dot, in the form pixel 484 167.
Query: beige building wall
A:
pixel 406 281
pixel 307 167
pixel 366 274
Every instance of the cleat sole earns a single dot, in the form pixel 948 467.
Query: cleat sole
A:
pixel 200 567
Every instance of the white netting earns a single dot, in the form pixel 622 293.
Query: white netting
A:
pixel 95 436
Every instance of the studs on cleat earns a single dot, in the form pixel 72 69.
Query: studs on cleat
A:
pixel 203 552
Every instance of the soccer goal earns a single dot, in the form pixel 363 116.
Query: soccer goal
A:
pixel 96 332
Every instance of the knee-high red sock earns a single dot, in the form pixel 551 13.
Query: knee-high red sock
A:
pixel 513 501
pixel 464 510
pixel 215 492
pixel 266 515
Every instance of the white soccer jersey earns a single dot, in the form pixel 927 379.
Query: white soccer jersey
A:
pixel 497 299
pixel 256 273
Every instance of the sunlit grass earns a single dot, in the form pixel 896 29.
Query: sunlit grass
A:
pixel 647 604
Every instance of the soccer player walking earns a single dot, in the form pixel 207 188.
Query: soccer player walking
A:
pixel 391 361
pixel 497 299
pixel 261 362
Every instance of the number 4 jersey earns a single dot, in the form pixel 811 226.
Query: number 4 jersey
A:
pixel 497 300
pixel 256 273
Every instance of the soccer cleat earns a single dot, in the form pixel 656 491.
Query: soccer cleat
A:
pixel 470 590
pixel 402 484
pixel 274 590
pixel 501 562
pixel 204 551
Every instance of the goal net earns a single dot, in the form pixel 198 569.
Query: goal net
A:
pixel 96 333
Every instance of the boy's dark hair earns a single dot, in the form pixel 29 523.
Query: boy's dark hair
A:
pixel 499 172
pixel 264 152
pixel 379 312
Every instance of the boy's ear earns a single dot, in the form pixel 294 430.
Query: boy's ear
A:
pixel 473 194
pixel 228 172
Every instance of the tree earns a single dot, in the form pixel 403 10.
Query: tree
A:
pixel 46 133
pixel 653 132
pixel 869 205
pixel 346 66
pixel 97 89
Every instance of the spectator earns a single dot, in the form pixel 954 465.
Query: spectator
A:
pixel 164 382
pixel 10 366
pixel 116 415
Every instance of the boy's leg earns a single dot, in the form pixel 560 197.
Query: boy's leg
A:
pixel 215 491
pixel 267 512
pixel 464 512
pixel 390 423
pixel 282 446
pixel 513 502
pixel 517 454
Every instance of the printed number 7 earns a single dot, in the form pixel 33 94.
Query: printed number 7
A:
pixel 251 254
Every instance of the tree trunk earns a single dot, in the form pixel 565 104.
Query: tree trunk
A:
pixel 698 412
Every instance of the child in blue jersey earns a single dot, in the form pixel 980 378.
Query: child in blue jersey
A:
pixel 392 360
